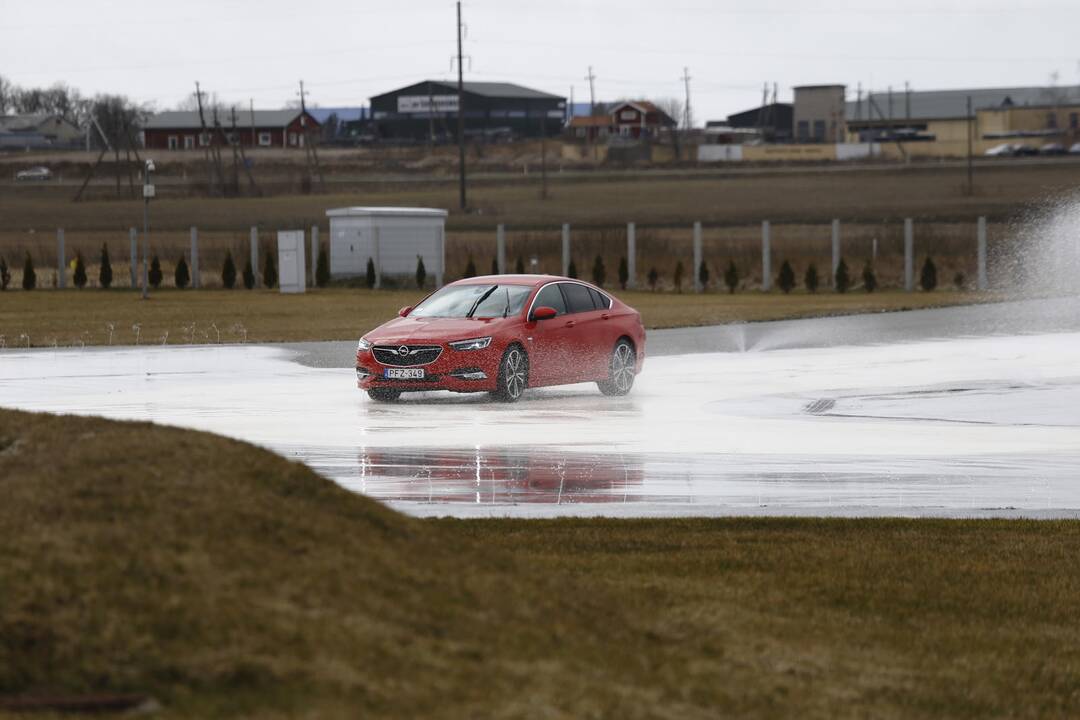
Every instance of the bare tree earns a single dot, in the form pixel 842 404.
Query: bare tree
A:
pixel 7 96
pixel 673 107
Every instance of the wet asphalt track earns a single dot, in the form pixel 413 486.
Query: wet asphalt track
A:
pixel 971 411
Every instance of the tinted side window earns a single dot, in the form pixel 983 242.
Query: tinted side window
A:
pixel 578 298
pixel 550 297
pixel 601 300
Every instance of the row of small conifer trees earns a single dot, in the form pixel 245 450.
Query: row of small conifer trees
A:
pixel 155 276
pixel 842 281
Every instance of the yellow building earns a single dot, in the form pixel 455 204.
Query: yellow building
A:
pixel 937 123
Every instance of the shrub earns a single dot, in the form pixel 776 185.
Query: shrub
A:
pixel 678 276
pixel 571 269
pixel 370 278
pixel 5 275
pixel 624 272
pixel 519 266
pixel 249 275
pixel 155 276
pixel 470 268
pixel 182 276
pixel 270 276
pixel 812 279
pixel 494 266
pixel 29 277
pixel 786 279
pixel 228 271
pixel 599 273
pixel 79 276
pixel 421 272
pixel 958 280
pixel 928 276
pixel 654 277
pixel 869 279
pixel 731 277
pixel 703 275
pixel 105 271
pixel 322 268
pixel 842 280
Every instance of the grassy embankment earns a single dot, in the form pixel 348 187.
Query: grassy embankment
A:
pixel 252 587
pixel 83 317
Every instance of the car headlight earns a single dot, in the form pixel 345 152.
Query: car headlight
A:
pixel 363 344
pixel 473 344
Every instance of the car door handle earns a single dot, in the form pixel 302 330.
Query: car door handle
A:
pixel 570 323
pixel 605 316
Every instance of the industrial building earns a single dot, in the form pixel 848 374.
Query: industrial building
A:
pixel 772 121
pixel 428 111
pixel 184 130
pixel 818 113
pixel 39 131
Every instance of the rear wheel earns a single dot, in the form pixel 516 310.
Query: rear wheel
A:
pixel 620 370
pixel 513 375
pixel 385 395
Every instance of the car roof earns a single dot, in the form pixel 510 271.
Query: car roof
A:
pixel 533 280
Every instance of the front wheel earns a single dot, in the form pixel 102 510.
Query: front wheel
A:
pixel 620 370
pixel 385 395
pixel 513 375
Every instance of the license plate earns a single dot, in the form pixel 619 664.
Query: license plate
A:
pixel 403 373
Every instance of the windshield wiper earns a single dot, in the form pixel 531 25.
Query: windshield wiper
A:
pixel 506 310
pixel 481 299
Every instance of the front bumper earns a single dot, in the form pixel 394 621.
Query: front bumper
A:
pixel 457 371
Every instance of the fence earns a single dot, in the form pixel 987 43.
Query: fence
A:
pixel 653 255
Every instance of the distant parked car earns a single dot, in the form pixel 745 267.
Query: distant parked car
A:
pixel 1002 150
pixel 1052 149
pixel 1075 149
pixel 1024 150
pixel 39 173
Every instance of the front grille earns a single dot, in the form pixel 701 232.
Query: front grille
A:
pixel 414 355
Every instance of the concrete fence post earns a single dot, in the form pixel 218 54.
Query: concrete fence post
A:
pixel 565 248
pixel 194 257
pixel 835 248
pixel 500 248
pixel 982 282
pixel 440 256
pixel 697 258
pixel 61 260
pixel 254 257
pixel 909 254
pixel 314 252
pixel 133 237
pixel 766 256
pixel 631 256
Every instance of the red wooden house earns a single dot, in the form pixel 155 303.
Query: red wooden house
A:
pixel 640 119
pixel 182 130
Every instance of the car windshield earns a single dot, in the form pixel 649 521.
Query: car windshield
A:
pixel 479 301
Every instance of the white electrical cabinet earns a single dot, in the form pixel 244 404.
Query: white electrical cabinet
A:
pixel 391 238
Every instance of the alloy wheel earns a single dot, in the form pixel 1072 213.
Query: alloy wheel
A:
pixel 622 368
pixel 514 374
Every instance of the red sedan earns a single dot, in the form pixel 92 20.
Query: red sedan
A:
pixel 502 334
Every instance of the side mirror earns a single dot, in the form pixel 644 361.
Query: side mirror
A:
pixel 405 311
pixel 544 313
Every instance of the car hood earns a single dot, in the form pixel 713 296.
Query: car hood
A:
pixel 436 330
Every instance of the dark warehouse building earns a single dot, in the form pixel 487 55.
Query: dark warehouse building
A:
pixel 429 111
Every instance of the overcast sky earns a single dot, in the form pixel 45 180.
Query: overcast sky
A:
pixel 347 51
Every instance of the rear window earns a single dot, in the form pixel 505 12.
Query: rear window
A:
pixel 602 301
pixel 578 298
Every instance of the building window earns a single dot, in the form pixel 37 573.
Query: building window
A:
pixel 292 138
pixel 819 131
pixel 1074 121
pixel 802 133
pixel 189 142
pixel 174 142
pixel 1051 120
pixel 628 115
pixel 231 138
pixel 264 139
pixel 204 139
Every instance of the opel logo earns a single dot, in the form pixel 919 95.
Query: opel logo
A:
pixel 403 351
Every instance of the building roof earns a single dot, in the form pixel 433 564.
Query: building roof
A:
pixel 484 89
pixel 189 119
pixel 646 107
pixel 369 211
pixel 29 122
pixel 946 104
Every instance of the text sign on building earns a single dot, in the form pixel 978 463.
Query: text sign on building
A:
pixel 427 103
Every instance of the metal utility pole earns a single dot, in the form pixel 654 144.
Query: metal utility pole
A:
pixel 460 114
pixel 907 101
pixel 970 149
pixel 686 107
pixel 592 92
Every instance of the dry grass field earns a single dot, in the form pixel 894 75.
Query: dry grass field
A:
pixel 46 318
pixel 254 588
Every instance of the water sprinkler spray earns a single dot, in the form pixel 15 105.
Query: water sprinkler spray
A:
pixel 137 329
